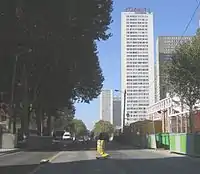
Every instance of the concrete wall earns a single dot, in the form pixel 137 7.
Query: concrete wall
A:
pixel 8 141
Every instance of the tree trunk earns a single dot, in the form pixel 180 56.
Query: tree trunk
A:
pixel 14 120
pixel 25 103
pixel 191 120
pixel 182 116
pixel 22 121
pixel 10 123
pixel 49 124
pixel 38 119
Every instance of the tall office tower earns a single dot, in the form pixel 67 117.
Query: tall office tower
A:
pixel 117 112
pixel 106 105
pixel 165 46
pixel 137 63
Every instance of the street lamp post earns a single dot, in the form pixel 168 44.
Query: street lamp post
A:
pixel 124 107
pixel 154 131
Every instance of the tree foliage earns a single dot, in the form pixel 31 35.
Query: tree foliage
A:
pixel 63 118
pixel 184 73
pixel 63 65
pixel 78 127
pixel 103 126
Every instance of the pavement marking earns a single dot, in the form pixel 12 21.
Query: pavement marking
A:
pixel 9 154
pixel 55 156
pixel 37 169
pixel 49 160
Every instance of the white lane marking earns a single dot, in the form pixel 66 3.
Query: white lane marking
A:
pixel 55 156
pixel 9 154
pixel 49 159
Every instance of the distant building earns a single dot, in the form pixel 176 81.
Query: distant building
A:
pixel 106 105
pixel 165 46
pixel 117 112
pixel 137 62
pixel 155 82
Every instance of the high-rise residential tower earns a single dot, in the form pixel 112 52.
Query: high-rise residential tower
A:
pixel 137 63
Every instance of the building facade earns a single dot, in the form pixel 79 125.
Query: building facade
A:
pixel 117 112
pixel 106 105
pixel 165 46
pixel 137 63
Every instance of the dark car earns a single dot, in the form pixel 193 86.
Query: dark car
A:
pixel 58 134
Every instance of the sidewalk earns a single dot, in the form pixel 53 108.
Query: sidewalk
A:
pixel 162 151
pixel 165 152
pixel 7 151
pixel 168 153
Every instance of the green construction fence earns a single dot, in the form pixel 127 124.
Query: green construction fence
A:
pixel 188 144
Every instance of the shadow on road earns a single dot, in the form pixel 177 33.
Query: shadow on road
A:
pixel 92 146
pixel 21 169
pixel 80 146
pixel 66 147
pixel 168 165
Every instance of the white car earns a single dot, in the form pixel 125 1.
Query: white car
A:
pixel 67 136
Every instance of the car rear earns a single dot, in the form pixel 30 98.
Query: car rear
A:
pixel 67 138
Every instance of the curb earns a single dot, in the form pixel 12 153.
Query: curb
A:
pixel 171 153
pixel 9 152
pixel 187 155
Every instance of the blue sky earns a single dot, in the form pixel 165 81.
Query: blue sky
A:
pixel 170 18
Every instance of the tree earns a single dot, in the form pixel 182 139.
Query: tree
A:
pixel 63 64
pixel 89 77
pixel 78 28
pixel 103 126
pixel 78 128
pixel 184 73
pixel 63 117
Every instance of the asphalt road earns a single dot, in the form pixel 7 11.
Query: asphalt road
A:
pixel 22 162
pixel 122 161
pixel 81 159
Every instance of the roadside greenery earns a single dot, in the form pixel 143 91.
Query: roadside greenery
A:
pixel 78 128
pixel 184 73
pixel 103 126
